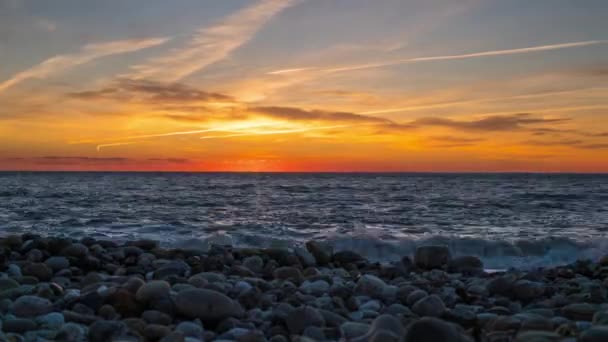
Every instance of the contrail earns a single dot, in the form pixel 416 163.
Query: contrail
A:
pixel 99 147
pixel 445 57
pixel 285 131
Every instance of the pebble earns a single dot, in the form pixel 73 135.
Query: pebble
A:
pixel 429 257
pixel 431 306
pixel 303 317
pixel 207 305
pixel 29 306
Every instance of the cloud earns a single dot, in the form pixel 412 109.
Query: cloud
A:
pixel 211 44
pixel 298 114
pixel 170 160
pixel 595 146
pixel 491 123
pixel 443 58
pixel 553 143
pixel 86 54
pixel 60 160
pixel 450 141
pixel 151 91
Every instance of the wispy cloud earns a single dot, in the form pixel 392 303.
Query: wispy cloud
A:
pixel 211 44
pixel 86 54
pixel 492 53
pixel 490 123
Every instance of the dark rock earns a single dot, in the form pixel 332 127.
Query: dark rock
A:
pixel 465 264
pixel 433 329
pixel 156 317
pixel 346 257
pixel 153 290
pixel 322 252
pixel 526 290
pixel 103 331
pixel 124 302
pixel 76 250
pixel 289 273
pixel 429 257
pixel 154 332
pixel 595 334
pixel 18 325
pixel 57 263
pixel 38 270
pixel 579 311
pixel 303 317
pixel 207 305
pixel 431 306
pixel 371 286
pixel 29 306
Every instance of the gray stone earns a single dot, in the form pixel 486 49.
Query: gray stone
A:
pixel 53 320
pixel 72 332
pixel 350 330
pixel 306 258
pixel 526 290
pixel 465 264
pixel 433 329
pixel 431 306
pixel 102 330
pixel 156 317
pixel 29 306
pixel 153 290
pixel 321 251
pixel 57 263
pixel 371 286
pixel 318 287
pixel 208 305
pixel 18 325
pixel 303 317
pixel 429 257
pixel 415 296
pixel 579 311
pixel 289 273
pixel 254 263
pixel 595 334
pixel 190 329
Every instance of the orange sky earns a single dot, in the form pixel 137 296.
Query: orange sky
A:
pixel 241 88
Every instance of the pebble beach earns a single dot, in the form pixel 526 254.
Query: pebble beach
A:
pixel 59 289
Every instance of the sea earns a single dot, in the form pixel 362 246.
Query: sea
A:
pixel 508 220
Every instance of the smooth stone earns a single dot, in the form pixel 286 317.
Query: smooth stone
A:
pixel 29 306
pixel 433 329
pixel 465 264
pixel 38 270
pixel 322 252
pixel 18 325
pixel 579 311
pixel 102 330
pixel 318 287
pixel 57 263
pixel 76 250
pixel 347 257
pixel 350 330
pixel 156 317
pixel 7 284
pixel 415 296
pixel 383 328
pixel 302 318
pixel 370 285
pixel 53 320
pixel 72 332
pixel 429 257
pixel 538 336
pixel 431 306
pixel 190 329
pixel 254 263
pixel 501 285
pixel 306 258
pixel 152 290
pixel 154 332
pixel 527 290
pixel 595 334
pixel 208 305
pixel 288 273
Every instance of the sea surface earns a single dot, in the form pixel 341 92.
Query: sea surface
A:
pixel 509 220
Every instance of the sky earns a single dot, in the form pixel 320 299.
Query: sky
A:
pixel 304 85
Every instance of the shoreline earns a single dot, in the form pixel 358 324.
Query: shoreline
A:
pixel 97 290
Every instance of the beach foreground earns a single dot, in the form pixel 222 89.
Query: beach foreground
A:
pixel 67 290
